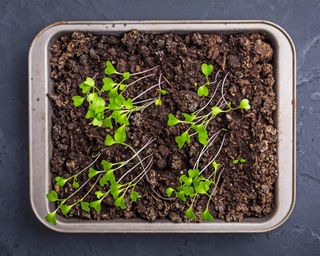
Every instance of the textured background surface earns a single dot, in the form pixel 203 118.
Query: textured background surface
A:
pixel 22 234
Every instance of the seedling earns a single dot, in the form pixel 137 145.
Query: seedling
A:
pixel 108 103
pixel 194 184
pixel 104 177
pixel 239 161
pixel 198 123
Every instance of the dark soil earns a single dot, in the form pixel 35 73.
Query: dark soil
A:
pixel 245 190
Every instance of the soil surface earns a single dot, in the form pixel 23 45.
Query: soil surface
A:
pixel 244 190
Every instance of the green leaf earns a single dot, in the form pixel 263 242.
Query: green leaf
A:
pixel 60 182
pixel 99 194
pixel 92 96
pixel 202 135
pixel 193 173
pixel 235 161
pixel 123 119
pixel 185 180
pixel 128 104
pixel 244 104
pixel 119 202
pixel 163 92
pixel 120 135
pixel 77 100
pixel 181 196
pixel 188 118
pixel 134 196
pixel 108 84
pixel 65 209
pixel 180 141
pixel 96 205
pixel 215 165
pixel 99 105
pixel 216 110
pixel 92 172
pixel 90 114
pixel 126 75
pixel 109 69
pixel 201 188
pixel 51 218
pixel 207 216
pixel 122 87
pixel 75 184
pixel 109 141
pixel 206 69
pixel 109 176
pixel 87 84
pixel 85 206
pixel 52 196
pixel 113 93
pixel 172 120
pixel 190 214
pixel 158 102
pixel 242 160
pixel 203 91
pixel 106 165
pixel 169 192
pixel 97 122
pixel 102 181
pixel 107 122
pixel 189 191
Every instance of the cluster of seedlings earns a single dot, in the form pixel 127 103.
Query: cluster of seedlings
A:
pixel 107 107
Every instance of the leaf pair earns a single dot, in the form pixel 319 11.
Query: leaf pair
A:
pixel 120 136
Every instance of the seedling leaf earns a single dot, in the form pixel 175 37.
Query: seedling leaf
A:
pixel 206 69
pixel 190 214
pixel 85 206
pixel 109 141
pixel 169 192
pixel 77 100
pixel 51 218
pixel 92 172
pixel 134 196
pixel 52 196
pixel 60 182
pixel 172 120
pixel 96 205
pixel 215 110
pixel 244 104
pixel 206 215
pixel 120 135
pixel 110 70
pixel 65 209
pixel 193 173
pixel 203 91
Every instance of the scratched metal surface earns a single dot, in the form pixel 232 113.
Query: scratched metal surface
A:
pixel 22 234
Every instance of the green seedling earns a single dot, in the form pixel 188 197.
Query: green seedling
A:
pixel 239 161
pixel 194 184
pixel 206 70
pixel 107 105
pixel 198 122
pixel 105 178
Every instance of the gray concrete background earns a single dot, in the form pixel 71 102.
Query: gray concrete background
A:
pixel 22 234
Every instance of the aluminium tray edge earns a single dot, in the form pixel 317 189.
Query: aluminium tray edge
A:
pixel 38 119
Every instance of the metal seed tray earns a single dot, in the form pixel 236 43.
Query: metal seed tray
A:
pixel 40 125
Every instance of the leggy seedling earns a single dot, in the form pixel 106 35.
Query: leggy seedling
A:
pixel 105 177
pixel 198 123
pixel 115 106
pixel 193 184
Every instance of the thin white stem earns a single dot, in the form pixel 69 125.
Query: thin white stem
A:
pixel 207 104
pixel 205 148
pixel 150 88
pixel 214 158
pixel 216 77
pixel 130 159
pixel 77 174
pixel 143 101
pixel 132 168
pixel 222 87
pixel 139 79
pixel 144 71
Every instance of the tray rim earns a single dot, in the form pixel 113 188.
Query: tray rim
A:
pixel 176 228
